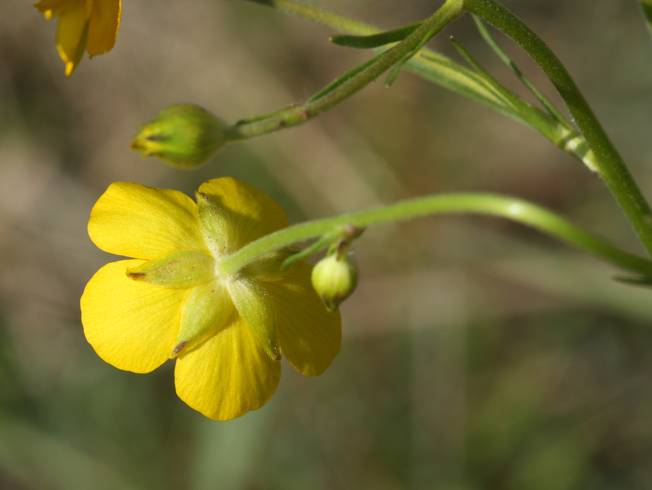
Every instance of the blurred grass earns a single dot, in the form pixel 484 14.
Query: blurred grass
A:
pixel 476 355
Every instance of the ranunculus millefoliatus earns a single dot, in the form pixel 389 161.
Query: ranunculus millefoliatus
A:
pixel 170 300
pixel 84 25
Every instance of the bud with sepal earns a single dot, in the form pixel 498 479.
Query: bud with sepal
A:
pixel 334 278
pixel 183 135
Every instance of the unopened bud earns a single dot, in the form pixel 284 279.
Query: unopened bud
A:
pixel 183 135
pixel 334 278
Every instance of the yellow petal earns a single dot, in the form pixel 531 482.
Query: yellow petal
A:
pixel 238 214
pixel 51 7
pixel 72 32
pixel 308 334
pixel 228 375
pixel 130 324
pixel 104 25
pixel 145 223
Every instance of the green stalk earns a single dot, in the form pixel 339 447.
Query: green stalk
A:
pixel 463 203
pixel 607 160
pixel 320 16
pixel 299 114
pixel 441 70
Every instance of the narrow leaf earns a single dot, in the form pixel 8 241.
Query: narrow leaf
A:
pixel 504 57
pixel 375 40
pixel 489 81
pixel 343 79
pixel 441 70
pixel 644 281
pixel 395 71
pixel 313 248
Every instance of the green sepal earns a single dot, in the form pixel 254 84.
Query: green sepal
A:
pixel 179 270
pixel 375 40
pixel 207 310
pixel 254 307
pixel 214 223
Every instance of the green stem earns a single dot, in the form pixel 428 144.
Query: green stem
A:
pixel 484 204
pixel 441 70
pixel 320 16
pixel 608 161
pixel 299 114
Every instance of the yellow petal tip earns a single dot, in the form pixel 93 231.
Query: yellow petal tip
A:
pixel 70 68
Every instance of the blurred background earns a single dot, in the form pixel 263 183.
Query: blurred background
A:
pixel 476 353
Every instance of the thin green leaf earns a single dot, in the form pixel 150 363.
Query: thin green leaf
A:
pixel 522 109
pixel 504 57
pixel 643 281
pixel 395 71
pixel 344 78
pixel 311 249
pixel 489 81
pixel 441 70
pixel 375 40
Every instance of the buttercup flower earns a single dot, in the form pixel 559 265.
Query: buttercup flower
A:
pixel 227 332
pixel 84 25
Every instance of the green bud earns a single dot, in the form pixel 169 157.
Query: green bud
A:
pixel 184 135
pixel 334 278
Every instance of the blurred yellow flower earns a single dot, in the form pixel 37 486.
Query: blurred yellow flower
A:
pixel 84 25
pixel 227 332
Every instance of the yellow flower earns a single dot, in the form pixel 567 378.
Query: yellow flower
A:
pixel 227 332
pixel 84 25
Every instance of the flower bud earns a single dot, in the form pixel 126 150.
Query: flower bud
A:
pixel 334 278
pixel 184 135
